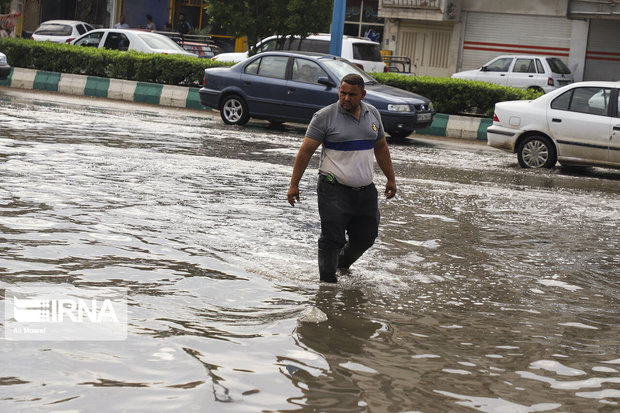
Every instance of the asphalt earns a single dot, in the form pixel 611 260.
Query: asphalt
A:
pixel 452 126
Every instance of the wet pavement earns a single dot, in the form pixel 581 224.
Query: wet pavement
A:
pixel 490 288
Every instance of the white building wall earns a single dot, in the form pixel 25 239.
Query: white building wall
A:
pixel 578 47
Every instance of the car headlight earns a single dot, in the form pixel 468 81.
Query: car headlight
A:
pixel 399 108
pixel 430 106
pixel 2 60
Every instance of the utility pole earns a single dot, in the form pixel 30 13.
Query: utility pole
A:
pixel 335 45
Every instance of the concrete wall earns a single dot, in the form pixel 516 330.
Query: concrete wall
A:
pixel 578 47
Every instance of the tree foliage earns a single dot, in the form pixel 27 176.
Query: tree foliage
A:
pixel 258 19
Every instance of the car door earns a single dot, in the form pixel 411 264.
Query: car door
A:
pixel 614 142
pixel 304 94
pixel 580 122
pixel 264 83
pixel 90 39
pixel 523 73
pixel 116 41
pixel 496 71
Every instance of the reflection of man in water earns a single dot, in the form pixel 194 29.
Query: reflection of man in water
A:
pixel 340 339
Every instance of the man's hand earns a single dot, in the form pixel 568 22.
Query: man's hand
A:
pixel 306 150
pixel 390 189
pixel 293 194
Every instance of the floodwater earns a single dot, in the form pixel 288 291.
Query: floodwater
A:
pixel 490 288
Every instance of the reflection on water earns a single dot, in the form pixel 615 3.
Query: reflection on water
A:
pixel 490 288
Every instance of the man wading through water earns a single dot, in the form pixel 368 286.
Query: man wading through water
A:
pixel 350 131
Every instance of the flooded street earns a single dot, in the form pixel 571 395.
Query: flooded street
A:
pixel 490 288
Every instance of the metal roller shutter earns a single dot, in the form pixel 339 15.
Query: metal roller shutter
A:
pixel 488 35
pixel 603 52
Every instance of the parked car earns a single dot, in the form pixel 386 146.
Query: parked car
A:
pixel 535 72
pixel 5 69
pixel 203 50
pixel 360 51
pixel 291 86
pixel 577 125
pixel 61 31
pixel 127 39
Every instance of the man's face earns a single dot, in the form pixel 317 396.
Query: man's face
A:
pixel 350 96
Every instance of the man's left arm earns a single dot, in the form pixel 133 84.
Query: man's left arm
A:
pixel 382 154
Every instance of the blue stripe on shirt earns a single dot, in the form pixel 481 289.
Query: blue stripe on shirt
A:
pixel 350 145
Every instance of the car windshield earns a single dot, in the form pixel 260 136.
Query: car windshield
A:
pixel 340 68
pixel 367 51
pixel 159 42
pixel 52 29
pixel 558 66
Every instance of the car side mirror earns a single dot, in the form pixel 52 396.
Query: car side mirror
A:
pixel 324 80
pixel 483 69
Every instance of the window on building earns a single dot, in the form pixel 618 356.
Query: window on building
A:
pixel 362 19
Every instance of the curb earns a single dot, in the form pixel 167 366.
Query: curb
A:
pixel 127 90
pixel 463 127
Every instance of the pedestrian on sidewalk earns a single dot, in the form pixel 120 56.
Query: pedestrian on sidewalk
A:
pixel 121 23
pixel 150 24
pixel 351 132
pixel 183 25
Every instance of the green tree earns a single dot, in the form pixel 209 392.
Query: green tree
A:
pixel 257 19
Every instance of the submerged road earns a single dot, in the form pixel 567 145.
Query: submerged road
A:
pixel 490 288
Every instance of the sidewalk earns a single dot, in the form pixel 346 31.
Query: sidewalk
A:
pixel 462 127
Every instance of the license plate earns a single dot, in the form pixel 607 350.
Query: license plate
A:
pixel 424 116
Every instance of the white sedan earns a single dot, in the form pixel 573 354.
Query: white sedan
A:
pixel 60 31
pixel 127 39
pixel 578 125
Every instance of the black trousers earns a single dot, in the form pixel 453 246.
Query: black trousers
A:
pixel 345 212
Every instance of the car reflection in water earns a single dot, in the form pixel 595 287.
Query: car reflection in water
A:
pixel 292 86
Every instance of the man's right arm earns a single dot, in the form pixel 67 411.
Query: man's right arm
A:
pixel 307 149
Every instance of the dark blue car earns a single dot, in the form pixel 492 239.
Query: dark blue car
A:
pixel 292 86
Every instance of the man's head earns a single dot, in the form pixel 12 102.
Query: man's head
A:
pixel 121 19
pixel 181 16
pixel 351 92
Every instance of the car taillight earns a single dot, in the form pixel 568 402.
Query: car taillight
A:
pixel 385 69
pixel 550 81
pixel 31 38
pixel 495 118
pixel 164 53
pixel 204 80
pixel 69 40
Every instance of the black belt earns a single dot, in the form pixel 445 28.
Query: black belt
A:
pixel 330 178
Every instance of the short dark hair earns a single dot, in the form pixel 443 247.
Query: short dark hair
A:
pixel 353 79
pixel 149 17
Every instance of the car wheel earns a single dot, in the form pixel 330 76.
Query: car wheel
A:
pixel 536 152
pixel 400 135
pixel 234 110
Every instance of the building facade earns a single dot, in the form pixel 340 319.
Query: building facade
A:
pixel 446 36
